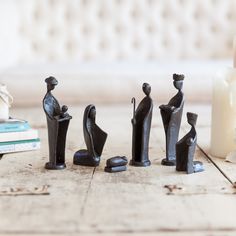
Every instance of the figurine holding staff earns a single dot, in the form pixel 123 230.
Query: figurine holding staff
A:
pixel 141 121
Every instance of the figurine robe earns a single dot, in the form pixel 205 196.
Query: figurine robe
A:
pixel 142 119
pixel 57 122
pixel 185 149
pixel 94 137
pixel 171 116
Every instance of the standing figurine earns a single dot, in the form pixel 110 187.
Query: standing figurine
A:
pixel 185 149
pixel 58 121
pixel 171 116
pixel 95 139
pixel 142 119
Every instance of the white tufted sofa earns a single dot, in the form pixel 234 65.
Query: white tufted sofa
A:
pixel 109 47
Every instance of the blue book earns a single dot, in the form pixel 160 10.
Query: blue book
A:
pixel 14 125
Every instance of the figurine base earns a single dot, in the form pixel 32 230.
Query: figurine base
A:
pixel 52 166
pixel 82 158
pixel 166 162
pixel 198 166
pixel 115 169
pixel 139 164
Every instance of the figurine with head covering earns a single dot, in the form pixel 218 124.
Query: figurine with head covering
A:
pixel 142 119
pixel 171 116
pixel 94 137
pixel 185 149
pixel 57 121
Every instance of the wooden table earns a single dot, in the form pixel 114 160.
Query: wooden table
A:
pixel 142 201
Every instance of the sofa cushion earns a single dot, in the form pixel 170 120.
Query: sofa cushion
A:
pixel 111 82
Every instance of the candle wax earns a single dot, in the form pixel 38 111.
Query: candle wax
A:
pixel 223 114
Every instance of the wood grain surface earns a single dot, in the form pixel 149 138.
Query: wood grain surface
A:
pixel 155 200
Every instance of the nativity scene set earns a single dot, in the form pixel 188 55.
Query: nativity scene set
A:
pixel 179 153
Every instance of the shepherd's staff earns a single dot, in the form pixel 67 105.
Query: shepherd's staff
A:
pixel 134 106
pixel 133 124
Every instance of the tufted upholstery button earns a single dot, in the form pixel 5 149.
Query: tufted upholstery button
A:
pixel 198 44
pixel 136 44
pixel 118 2
pixel 196 15
pixel 52 32
pixel 86 30
pixel 182 2
pixel 165 43
pixel 70 16
pixel 103 45
pixel 101 14
pixel 70 45
pixel 35 46
pixel 164 14
pixel 230 16
pixel 151 2
pixel 52 2
pixel 181 29
pixel 119 29
pixel 135 13
pixel 37 14
pixel 151 28
pixel 214 28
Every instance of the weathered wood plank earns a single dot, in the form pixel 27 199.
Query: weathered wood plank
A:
pixel 94 202
pixel 159 233
pixel 59 211
pixel 137 200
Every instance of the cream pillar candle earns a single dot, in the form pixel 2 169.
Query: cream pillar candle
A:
pixel 5 102
pixel 223 124
pixel 223 114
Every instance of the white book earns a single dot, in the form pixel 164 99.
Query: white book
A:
pixel 18 136
pixel 19 146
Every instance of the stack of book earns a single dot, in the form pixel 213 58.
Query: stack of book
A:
pixel 17 136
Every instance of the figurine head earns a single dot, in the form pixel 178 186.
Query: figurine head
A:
pixel 51 83
pixel 92 112
pixel 64 109
pixel 178 81
pixel 146 88
pixel 192 118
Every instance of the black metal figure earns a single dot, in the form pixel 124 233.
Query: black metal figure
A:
pixel 185 149
pixel 57 121
pixel 142 118
pixel 95 139
pixel 171 116
pixel 116 164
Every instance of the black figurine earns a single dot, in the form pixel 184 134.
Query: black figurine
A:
pixel 57 121
pixel 116 164
pixel 95 139
pixel 185 149
pixel 171 116
pixel 142 119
